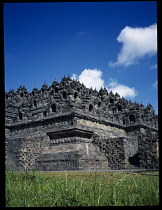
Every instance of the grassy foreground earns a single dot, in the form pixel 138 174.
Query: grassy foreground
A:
pixel 50 189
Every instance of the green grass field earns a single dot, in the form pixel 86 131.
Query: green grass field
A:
pixel 60 189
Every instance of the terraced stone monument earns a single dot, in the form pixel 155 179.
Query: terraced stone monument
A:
pixel 68 126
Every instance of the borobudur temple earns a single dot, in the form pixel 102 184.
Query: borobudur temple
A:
pixel 67 126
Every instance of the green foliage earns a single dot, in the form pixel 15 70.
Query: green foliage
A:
pixel 55 189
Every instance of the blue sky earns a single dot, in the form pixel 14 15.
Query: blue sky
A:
pixel 111 44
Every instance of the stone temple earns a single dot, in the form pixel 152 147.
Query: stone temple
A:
pixel 68 126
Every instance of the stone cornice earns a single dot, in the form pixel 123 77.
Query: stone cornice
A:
pixel 71 116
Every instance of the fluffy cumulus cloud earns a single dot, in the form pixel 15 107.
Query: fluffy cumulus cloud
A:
pixel 136 43
pixel 122 90
pixel 91 78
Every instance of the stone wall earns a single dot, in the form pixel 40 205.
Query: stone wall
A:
pixel 58 161
pixel 26 128
pixel 114 151
pixel 21 153
pixel 41 153
pixel 148 145
pixel 12 153
pixel 105 126
pixel 77 155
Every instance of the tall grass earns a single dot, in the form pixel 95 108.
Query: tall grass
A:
pixel 50 189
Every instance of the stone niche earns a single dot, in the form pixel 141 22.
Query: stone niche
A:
pixel 131 152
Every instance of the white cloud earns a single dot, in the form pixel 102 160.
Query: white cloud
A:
pixel 137 43
pixel 74 76
pixel 122 90
pixel 93 78
pixel 155 85
pixel 90 78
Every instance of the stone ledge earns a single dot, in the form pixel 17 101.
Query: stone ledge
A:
pixel 71 132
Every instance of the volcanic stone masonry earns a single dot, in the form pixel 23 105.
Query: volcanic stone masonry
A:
pixel 68 126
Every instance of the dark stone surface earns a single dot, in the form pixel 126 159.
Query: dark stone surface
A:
pixel 72 119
